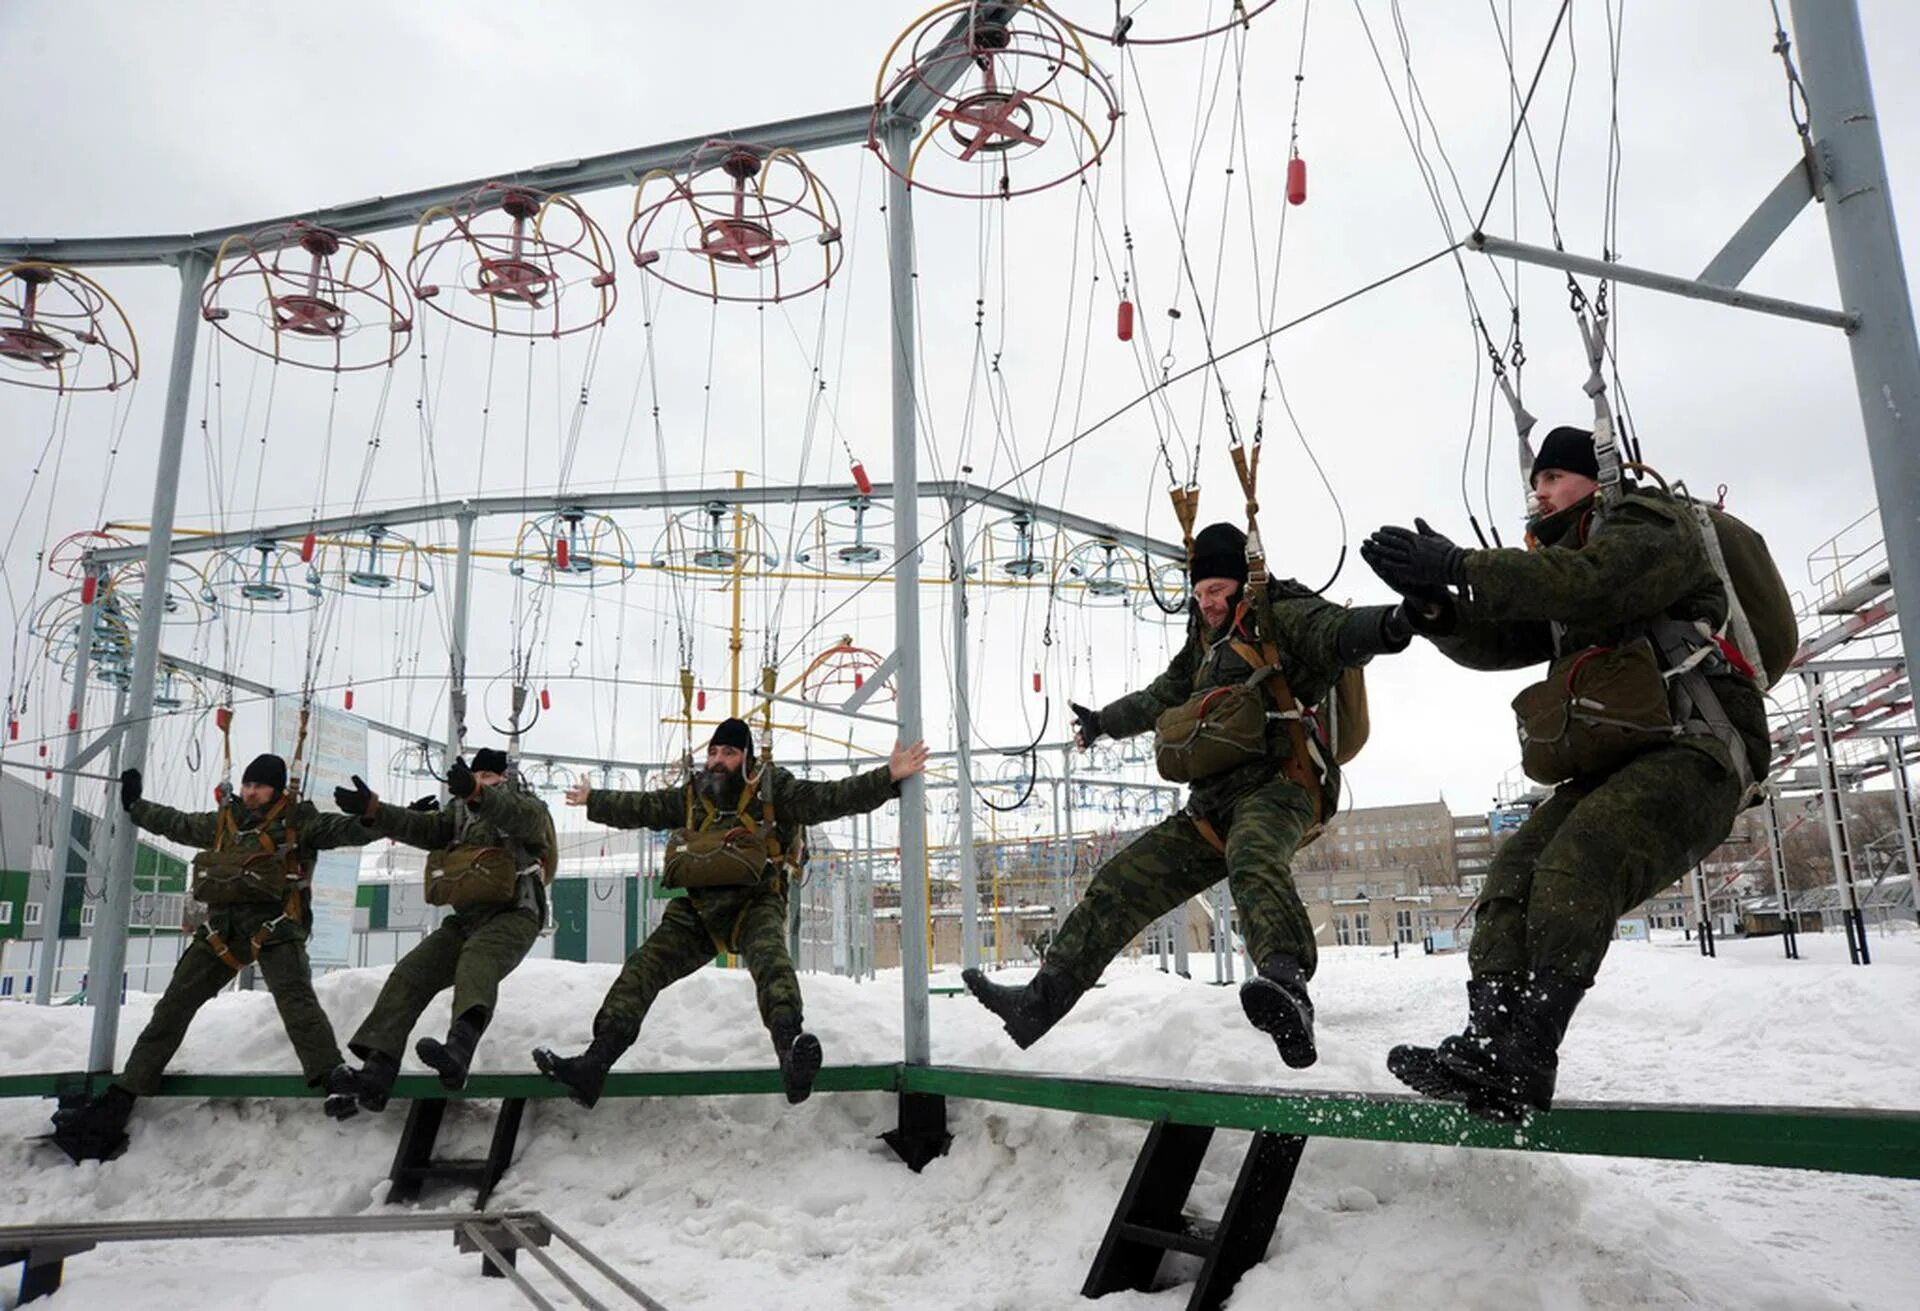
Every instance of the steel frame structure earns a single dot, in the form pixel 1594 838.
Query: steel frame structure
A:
pixel 1845 168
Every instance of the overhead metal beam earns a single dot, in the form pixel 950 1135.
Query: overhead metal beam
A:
pixel 1763 227
pixel 401 516
pixel 1501 248
pixel 839 127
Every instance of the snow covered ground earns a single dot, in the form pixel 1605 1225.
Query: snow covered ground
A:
pixel 746 1203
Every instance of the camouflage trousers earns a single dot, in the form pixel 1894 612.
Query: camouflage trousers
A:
pixel 1171 862
pixel 1591 852
pixel 751 921
pixel 200 976
pixel 470 952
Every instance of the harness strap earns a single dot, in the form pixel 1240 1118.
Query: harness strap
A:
pixel 1206 830
pixel 1697 706
pixel 1304 765
pixel 289 909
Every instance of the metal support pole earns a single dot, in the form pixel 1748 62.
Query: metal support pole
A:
pixel 457 635
pixel 109 947
pixel 1838 840
pixel 53 900
pixel 963 730
pixel 916 1038
pixel 1903 807
pixel 1872 278
pixel 1066 783
pixel 1777 856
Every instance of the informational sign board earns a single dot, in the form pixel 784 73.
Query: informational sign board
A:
pixel 1632 930
pixel 1442 940
pixel 335 750
pixel 1507 819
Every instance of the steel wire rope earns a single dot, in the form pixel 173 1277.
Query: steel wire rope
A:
pixel 1126 408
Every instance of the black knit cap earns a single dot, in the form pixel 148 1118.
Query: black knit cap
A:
pixel 489 760
pixel 1219 551
pixel 269 770
pixel 733 733
pixel 1569 450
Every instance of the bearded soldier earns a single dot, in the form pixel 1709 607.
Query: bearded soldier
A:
pixel 737 835
pixel 253 872
pixel 1653 728
pixel 1232 716
pixel 491 853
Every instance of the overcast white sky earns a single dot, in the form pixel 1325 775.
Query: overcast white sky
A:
pixel 195 115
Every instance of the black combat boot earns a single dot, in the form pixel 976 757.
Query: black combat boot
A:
pixel 343 1092
pixel 799 1053
pixel 94 1129
pixel 1512 1074
pixel 372 1083
pixel 1492 1002
pixel 1031 1009
pixel 450 1058
pixel 584 1075
pixel 1277 1004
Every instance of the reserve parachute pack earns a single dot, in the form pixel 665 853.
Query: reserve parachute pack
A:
pixel 465 876
pixel 258 872
pixel 704 855
pixel 1760 623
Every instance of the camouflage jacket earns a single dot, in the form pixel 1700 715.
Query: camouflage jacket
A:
pixel 312 831
pixel 1306 632
pixel 797 802
pixel 1595 580
pixel 506 816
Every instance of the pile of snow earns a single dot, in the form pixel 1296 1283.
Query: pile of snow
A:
pixel 745 1202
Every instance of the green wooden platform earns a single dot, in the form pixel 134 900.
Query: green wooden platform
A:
pixel 1884 1143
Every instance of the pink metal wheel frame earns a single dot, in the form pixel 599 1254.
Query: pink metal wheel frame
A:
pixel 61 331
pixel 318 299
pixel 737 222
pixel 1022 91
pixel 515 261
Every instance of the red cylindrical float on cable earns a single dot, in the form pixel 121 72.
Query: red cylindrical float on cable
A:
pixel 223 718
pixel 860 479
pixel 1036 680
pixel 13 730
pixel 349 698
pixel 859 681
pixel 559 553
pixel 43 749
pixel 306 549
pixel 700 699
pixel 73 721
pixel 88 587
pixel 1296 181
pixel 546 701
pixel 1124 325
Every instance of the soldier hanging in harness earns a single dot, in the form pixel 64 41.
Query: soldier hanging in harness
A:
pixel 737 841
pixel 1236 715
pixel 1650 721
pixel 253 873
pixel 491 852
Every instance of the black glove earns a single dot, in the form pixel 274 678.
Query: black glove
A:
pixel 129 788
pixel 460 780
pixel 424 803
pixel 356 800
pixel 1086 729
pixel 1413 563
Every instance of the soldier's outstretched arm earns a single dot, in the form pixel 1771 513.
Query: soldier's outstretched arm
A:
pixel 803 801
pixel 323 832
pixel 1637 562
pixel 1135 712
pixel 661 808
pixel 186 827
pixel 1473 642
pixel 428 830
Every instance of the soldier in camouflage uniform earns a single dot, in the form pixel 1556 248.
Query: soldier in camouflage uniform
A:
pixel 1599 844
pixel 473 948
pixel 272 935
pixel 748 919
pixel 1243 825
